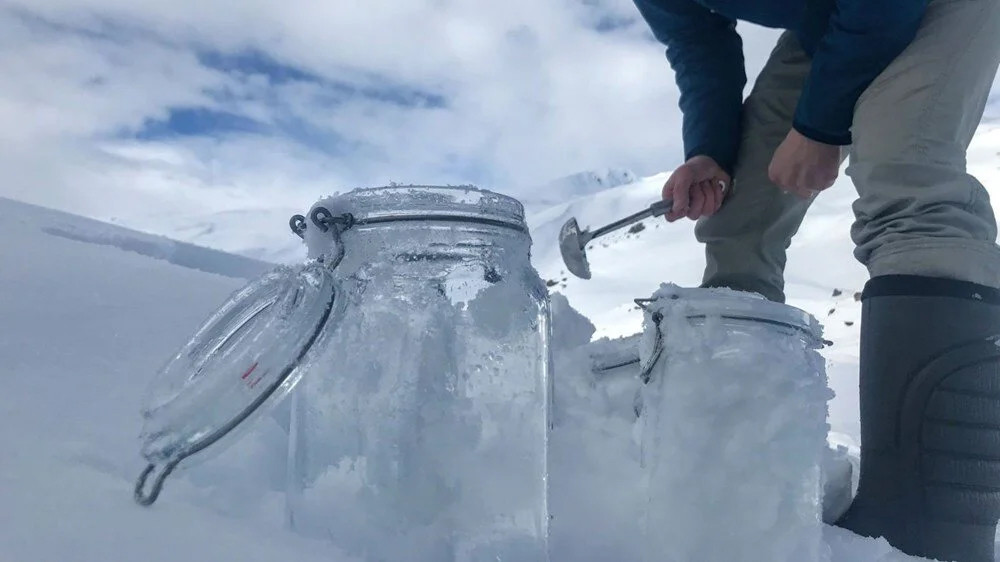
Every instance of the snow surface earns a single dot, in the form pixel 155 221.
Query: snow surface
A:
pixel 576 185
pixel 88 312
pixel 83 325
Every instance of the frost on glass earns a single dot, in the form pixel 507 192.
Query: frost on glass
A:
pixel 733 429
pixel 420 427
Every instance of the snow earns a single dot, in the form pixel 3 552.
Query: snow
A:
pixel 88 312
pixel 83 326
pixel 575 185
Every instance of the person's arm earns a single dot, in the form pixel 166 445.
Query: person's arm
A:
pixel 706 55
pixel 863 37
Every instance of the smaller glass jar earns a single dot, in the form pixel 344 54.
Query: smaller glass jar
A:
pixel 733 428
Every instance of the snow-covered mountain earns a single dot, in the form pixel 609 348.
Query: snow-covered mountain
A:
pixel 576 185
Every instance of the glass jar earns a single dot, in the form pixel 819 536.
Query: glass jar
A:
pixel 416 341
pixel 419 430
pixel 733 428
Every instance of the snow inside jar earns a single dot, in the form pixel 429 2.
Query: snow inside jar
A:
pixel 733 428
pixel 414 348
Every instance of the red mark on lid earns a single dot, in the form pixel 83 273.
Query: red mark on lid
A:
pixel 250 370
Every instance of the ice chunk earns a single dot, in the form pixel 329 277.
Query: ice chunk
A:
pixel 570 329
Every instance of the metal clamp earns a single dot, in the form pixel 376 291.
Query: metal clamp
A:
pixel 646 369
pixel 140 493
pixel 324 219
pixel 298 225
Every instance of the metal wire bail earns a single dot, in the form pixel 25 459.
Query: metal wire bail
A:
pixel 324 219
pixel 140 493
pixel 298 225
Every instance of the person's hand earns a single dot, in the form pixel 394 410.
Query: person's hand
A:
pixel 697 188
pixel 803 166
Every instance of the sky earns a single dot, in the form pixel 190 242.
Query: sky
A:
pixel 153 112
pixel 127 111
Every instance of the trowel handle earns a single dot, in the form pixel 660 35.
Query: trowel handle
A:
pixel 656 209
pixel 661 207
pixel 664 206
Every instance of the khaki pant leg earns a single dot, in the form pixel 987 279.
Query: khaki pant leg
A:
pixel 745 242
pixel 919 212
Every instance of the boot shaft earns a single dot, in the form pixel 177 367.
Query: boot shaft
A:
pixel 930 417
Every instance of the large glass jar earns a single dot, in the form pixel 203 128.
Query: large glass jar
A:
pixel 414 346
pixel 419 430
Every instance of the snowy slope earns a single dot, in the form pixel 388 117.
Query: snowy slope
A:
pixel 822 275
pixel 87 313
pixel 630 265
pixel 574 186
pixel 261 234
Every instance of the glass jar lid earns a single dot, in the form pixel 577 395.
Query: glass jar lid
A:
pixel 246 355
pixel 432 203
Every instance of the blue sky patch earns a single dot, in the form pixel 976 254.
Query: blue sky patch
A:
pixel 196 121
pixel 254 62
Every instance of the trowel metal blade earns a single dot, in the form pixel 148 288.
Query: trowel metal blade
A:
pixel 572 247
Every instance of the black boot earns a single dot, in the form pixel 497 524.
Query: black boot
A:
pixel 930 417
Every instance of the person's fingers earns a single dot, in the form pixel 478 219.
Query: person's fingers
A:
pixel 674 214
pixel 723 187
pixel 697 201
pixel 804 192
pixel 713 197
pixel 683 178
pixel 669 194
pixel 668 188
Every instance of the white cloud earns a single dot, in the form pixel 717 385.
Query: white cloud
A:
pixel 532 91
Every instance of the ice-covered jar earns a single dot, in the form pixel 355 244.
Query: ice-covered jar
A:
pixel 419 431
pixel 733 428
pixel 414 348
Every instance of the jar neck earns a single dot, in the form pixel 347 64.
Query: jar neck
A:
pixel 439 245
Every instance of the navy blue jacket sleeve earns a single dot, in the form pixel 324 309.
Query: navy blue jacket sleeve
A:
pixel 863 37
pixel 706 54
